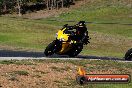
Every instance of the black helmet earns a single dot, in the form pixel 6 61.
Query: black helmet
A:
pixel 81 23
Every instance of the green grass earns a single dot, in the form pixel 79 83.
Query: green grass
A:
pixel 25 33
pixel 107 39
pixel 34 35
pixel 17 62
pixel 25 73
pixel 96 64
pixel 100 11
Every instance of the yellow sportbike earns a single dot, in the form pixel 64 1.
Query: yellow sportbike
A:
pixel 64 45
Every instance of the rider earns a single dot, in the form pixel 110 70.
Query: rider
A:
pixel 81 34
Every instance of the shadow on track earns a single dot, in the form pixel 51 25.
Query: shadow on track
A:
pixel 100 58
pixel 9 53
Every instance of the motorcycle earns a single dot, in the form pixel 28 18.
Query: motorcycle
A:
pixel 64 43
pixel 128 55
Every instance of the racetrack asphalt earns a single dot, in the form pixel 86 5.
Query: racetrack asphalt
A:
pixel 19 55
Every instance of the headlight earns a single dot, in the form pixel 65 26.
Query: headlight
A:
pixel 62 39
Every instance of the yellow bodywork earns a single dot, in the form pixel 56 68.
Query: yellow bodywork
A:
pixel 64 38
pixel 65 47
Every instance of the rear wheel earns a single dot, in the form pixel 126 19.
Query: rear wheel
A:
pixel 75 50
pixel 128 55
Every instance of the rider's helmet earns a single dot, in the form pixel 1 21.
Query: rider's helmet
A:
pixel 81 24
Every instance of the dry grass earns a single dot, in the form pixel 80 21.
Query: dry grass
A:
pixel 47 74
pixel 40 75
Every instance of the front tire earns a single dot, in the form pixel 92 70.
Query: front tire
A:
pixel 50 49
pixel 128 55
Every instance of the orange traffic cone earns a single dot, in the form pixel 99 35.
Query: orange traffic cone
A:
pixel 81 71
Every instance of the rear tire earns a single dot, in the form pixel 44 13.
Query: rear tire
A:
pixel 75 50
pixel 128 55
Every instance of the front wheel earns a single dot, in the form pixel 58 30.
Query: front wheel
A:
pixel 50 49
pixel 128 55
